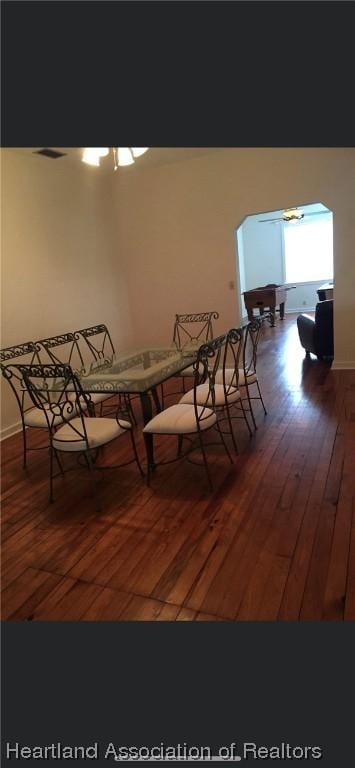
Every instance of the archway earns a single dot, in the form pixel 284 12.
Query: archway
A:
pixel 294 250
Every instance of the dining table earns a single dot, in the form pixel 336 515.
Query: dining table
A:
pixel 138 372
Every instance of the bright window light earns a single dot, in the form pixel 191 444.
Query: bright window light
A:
pixel 309 249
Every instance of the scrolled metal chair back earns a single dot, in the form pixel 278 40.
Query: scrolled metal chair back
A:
pixel 252 333
pixel 232 360
pixel 62 350
pixel 193 328
pixel 10 370
pixel 55 389
pixel 207 364
pixel 99 342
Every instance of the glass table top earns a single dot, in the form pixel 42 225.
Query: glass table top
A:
pixel 137 371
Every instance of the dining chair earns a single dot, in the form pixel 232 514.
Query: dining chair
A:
pixel 60 349
pixel 30 416
pixel 65 349
pixel 227 395
pixel 98 342
pixel 193 419
pixel 248 376
pixel 56 391
pixel 189 332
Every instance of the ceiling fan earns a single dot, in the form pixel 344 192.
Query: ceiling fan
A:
pixel 292 214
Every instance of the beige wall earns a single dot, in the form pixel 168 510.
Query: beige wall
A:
pixel 57 255
pixel 175 228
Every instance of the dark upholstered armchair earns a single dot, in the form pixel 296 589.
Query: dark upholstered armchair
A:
pixel 316 335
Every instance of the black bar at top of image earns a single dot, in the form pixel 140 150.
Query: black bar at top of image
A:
pixel 178 73
pixel 212 684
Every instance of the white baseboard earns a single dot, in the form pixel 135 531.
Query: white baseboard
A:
pixel 299 309
pixel 11 430
pixel 343 365
pixel 287 312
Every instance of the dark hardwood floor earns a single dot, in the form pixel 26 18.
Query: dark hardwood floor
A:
pixel 275 541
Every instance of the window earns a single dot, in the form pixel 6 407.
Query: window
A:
pixel 308 253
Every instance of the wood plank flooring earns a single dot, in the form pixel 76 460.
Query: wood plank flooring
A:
pixel 275 541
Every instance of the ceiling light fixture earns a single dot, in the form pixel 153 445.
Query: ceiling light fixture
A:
pixel 121 155
pixel 125 156
pixel 138 151
pixel 292 214
pixel 91 157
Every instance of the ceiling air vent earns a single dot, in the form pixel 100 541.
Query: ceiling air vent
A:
pixel 52 153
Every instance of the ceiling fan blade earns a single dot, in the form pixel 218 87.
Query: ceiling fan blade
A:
pixel 315 213
pixel 268 221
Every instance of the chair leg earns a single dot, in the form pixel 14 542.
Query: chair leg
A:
pixel 24 438
pixel 148 439
pixel 91 468
pixel 210 485
pixel 157 404
pixel 120 407
pixel 95 452
pixel 261 398
pixel 59 462
pixel 179 447
pixel 250 406
pixel 135 453
pixel 230 429
pixel 87 461
pixel 131 410
pixel 51 498
pixel 129 407
pixel 223 440
pixel 245 417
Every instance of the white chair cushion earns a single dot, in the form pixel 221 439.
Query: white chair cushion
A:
pixel 180 419
pixel 229 373
pixel 99 431
pixel 35 417
pixel 187 372
pixel 95 397
pixel 99 397
pixel 251 378
pixel 202 393
pixel 190 371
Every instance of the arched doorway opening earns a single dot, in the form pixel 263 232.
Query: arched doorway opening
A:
pixel 289 247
